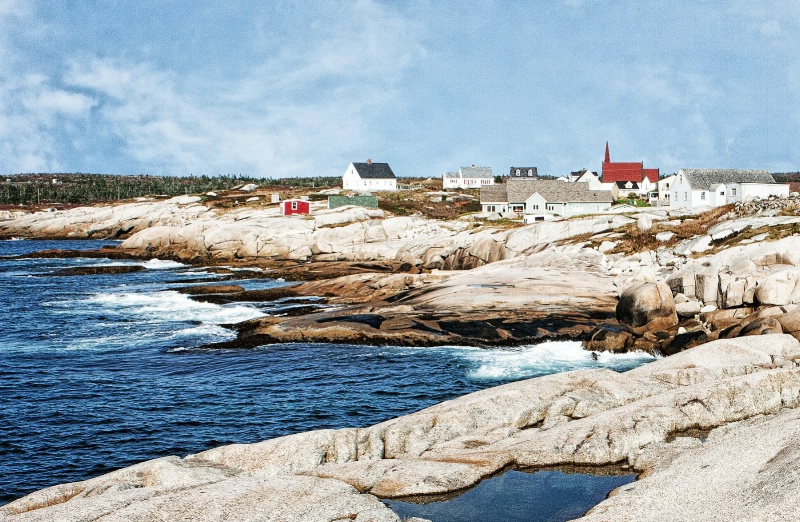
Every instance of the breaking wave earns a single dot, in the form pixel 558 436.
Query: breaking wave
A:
pixel 171 306
pixel 545 358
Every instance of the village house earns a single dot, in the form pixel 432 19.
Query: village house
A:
pixel 537 199
pixel 624 189
pixel 717 187
pixel 369 176
pixel 587 176
pixel 468 177
pixel 614 171
pixel 659 197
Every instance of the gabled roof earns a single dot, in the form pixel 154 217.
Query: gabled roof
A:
pixel 471 173
pixel 702 179
pixel 374 171
pixel 623 185
pixel 476 172
pixel 554 191
pixel 494 193
pixel 651 174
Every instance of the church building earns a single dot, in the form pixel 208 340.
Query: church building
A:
pixel 628 171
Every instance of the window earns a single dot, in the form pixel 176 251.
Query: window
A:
pixel 721 192
pixel 530 172
pixel 490 208
pixel 294 205
pixel 703 195
pixel 686 196
pixel 535 207
pixel 518 172
pixel 733 192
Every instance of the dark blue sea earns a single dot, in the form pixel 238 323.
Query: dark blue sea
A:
pixel 98 372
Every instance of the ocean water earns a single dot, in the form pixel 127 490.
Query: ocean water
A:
pixel 98 372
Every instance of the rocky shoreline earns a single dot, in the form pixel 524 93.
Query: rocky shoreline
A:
pixel 718 293
pixel 732 392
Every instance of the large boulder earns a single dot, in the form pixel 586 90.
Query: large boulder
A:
pixel 763 326
pixel 779 288
pixel 647 306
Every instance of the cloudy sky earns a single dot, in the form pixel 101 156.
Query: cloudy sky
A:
pixel 282 88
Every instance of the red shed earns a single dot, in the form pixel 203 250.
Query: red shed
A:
pixel 295 206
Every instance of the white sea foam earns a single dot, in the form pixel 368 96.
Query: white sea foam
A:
pixel 171 306
pixel 161 264
pixel 206 330
pixel 539 359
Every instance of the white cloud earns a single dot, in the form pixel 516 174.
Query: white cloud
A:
pixel 297 114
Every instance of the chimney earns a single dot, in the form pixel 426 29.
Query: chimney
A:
pixel 369 162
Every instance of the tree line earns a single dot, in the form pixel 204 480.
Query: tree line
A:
pixel 79 188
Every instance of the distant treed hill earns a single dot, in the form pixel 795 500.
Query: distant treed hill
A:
pixel 786 177
pixel 35 189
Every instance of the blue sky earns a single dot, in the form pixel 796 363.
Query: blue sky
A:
pixel 272 89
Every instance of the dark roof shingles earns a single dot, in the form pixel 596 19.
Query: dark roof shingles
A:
pixel 374 170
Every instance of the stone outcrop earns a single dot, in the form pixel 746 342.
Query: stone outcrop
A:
pixel 541 296
pixel 185 229
pixel 647 307
pixel 743 393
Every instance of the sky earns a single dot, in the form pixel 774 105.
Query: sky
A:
pixel 284 88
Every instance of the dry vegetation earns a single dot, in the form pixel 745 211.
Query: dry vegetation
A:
pixel 634 240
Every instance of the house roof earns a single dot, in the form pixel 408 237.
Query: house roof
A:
pixel 651 174
pixel 553 191
pixel 476 172
pixel 622 185
pixel 702 179
pixel 374 170
pixel 494 193
pixel 471 173
pixel 523 171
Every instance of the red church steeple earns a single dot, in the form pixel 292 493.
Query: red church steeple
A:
pixel 626 171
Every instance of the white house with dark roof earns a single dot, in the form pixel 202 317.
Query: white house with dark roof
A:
pixel 624 189
pixel 468 177
pixel 535 199
pixel 369 176
pixel 717 187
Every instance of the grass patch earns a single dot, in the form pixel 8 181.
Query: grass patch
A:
pixel 635 240
pixel 406 203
